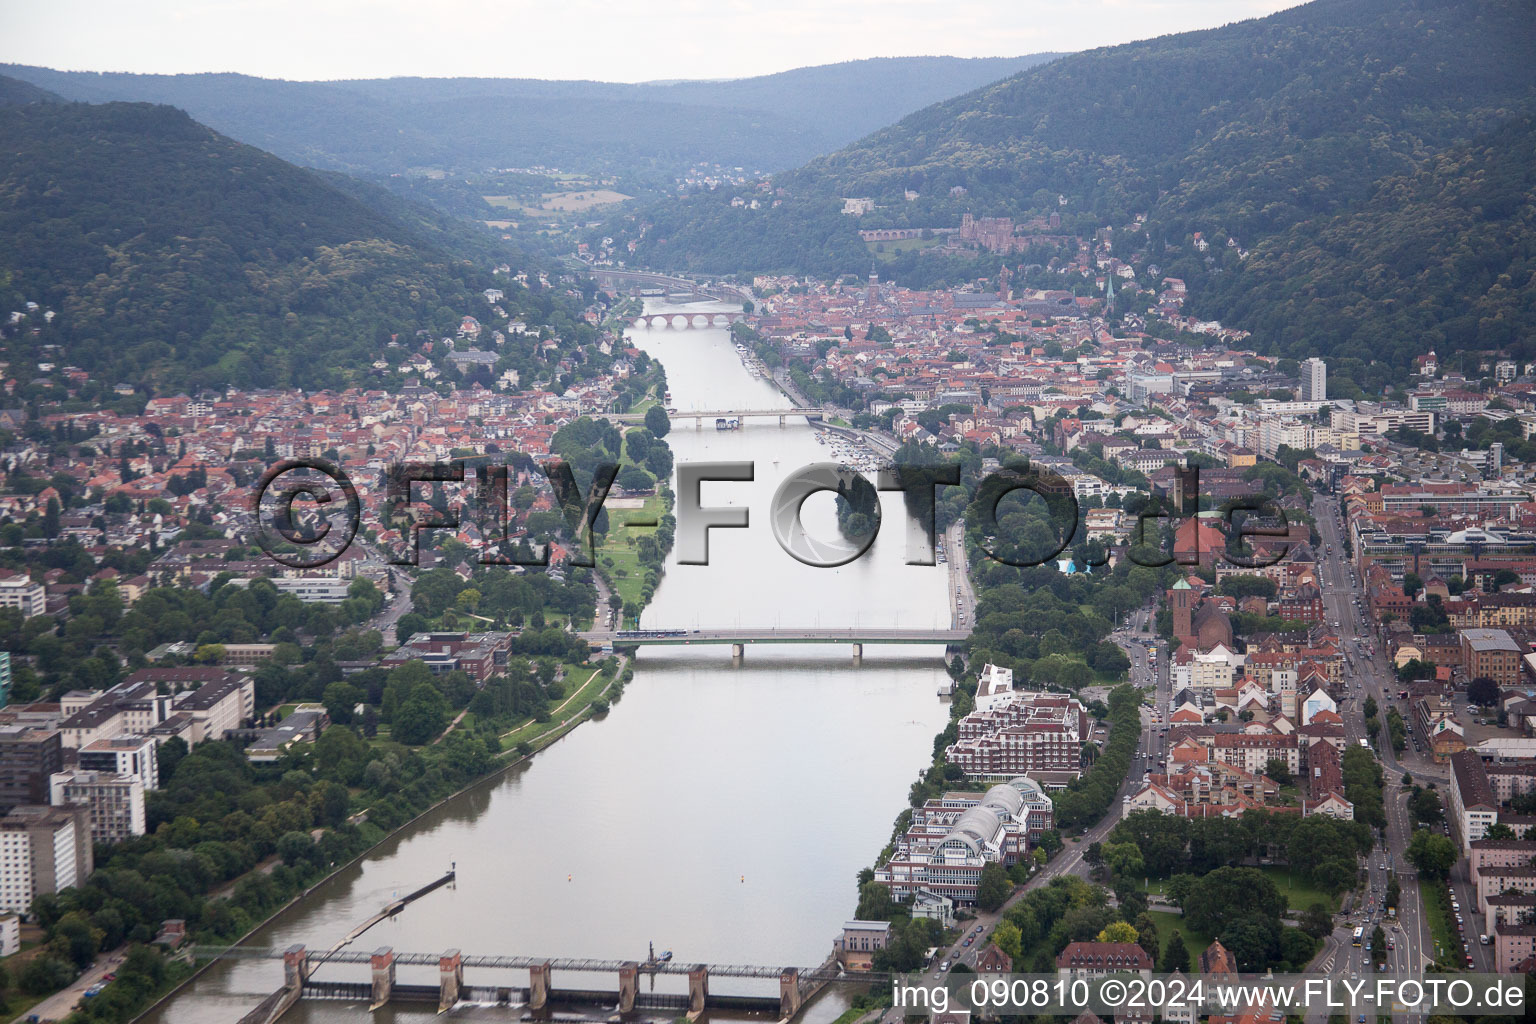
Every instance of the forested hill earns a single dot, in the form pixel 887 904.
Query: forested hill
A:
pixel 173 254
pixel 14 92
pixel 1241 131
pixel 387 126
pixel 1443 258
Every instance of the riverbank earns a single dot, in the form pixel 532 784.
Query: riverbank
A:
pixel 512 758
pixel 692 771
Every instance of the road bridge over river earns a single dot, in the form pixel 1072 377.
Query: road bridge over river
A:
pixel 739 638
pixel 700 416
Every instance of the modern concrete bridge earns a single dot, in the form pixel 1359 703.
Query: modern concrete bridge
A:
pixel 739 638
pixel 796 985
pixel 699 416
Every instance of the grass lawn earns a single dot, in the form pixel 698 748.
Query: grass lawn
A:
pixel 889 250
pixel 619 557
pixel 1300 894
pixel 1442 927
pixel 1168 923
pixel 566 710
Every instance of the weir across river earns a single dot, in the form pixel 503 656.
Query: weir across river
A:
pixel 796 985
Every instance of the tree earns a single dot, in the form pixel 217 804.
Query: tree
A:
pixel 422 716
pixel 74 940
pixel 294 847
pixel 1483 692
pixel 1426 805
pixel 1146 935
pixel 1432 853
pixel 994 888
pixel 1316 921
pixel 1277 769
pixel 45 974
pixel 1118 931
pixel 657 421
pixel 1297 948
pixel 1227 894
pixel 1124 859
pixel 167 756
pixel 339 699
pixel 1175 955
pixel 1499 830
pixel 1010 940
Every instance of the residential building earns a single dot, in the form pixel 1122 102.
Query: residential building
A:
pixel 1028 732
pixel 115 802
pixel 1492 653
pixel 17 590
pixel 1473 808
pixel 1097 959
pixel 127 754
pixel 42 850
pixel 28 757
pixel 1314 380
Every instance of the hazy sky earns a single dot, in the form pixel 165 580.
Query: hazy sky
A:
pixel 619 40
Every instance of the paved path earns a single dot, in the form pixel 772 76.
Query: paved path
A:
pixel 62 1003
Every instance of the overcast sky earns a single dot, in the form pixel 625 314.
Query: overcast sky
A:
pixel 616 40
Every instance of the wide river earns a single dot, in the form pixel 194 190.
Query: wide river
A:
pixel 722 813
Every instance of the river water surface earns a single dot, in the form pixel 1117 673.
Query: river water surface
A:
pixel 722 813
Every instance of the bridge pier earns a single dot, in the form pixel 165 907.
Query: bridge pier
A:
pixel 295 967
pixel 383 964
pixel 738 653
pixel 858 655
pixel 629 984
pixel 781 422
pixel 450 978
pixel 789 993
pixel 698 991
pixel 538 986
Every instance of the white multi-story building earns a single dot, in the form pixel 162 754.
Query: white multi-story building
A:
pixel 313 589
pixel 17 590
pixel 42 850
pixel 952 838
pixel 1474 809
pixel 1029 732
pixel 1314 380
pixel 124 755
pixel 115 802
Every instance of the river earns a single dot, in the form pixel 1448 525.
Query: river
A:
pixel 722 813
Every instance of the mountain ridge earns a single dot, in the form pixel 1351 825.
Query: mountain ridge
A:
pixel 1239 132
pixel 385 126
pixel 173 254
